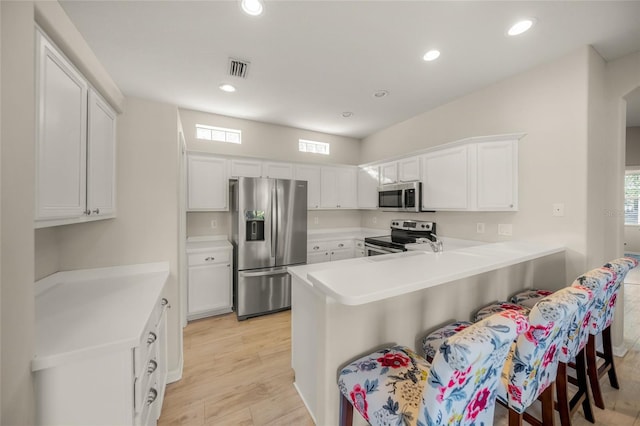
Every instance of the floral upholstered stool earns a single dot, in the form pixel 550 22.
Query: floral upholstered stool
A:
pixel 397 386
pixel 499 307
pixel 432 342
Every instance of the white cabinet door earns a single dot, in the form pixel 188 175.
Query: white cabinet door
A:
pixel 101 157
pixel 497 176
pixel 368 187
pixel 312 175
pixel 317 257
pixel 277 170
pixel 445 179
pixel 209 288
pixel 246 168
pixel 388 173
pixel 409 169
pixel 61 136
pixel 342 254
pixel 347 187
pixel 208 187
pixel 328 184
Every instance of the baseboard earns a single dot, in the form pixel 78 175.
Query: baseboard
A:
pixel 175 375
pixel 305 403
pixel 620 351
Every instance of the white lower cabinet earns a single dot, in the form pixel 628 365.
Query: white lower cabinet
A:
pixel 101 351
pixel 210 282
pixel 326 251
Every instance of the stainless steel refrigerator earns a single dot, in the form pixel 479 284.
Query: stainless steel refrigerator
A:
pixel 269 233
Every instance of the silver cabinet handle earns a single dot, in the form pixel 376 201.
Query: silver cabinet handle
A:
pixel 151 338
pixel 151 396
pixel 165 302
pixel 87 212
pixel 209 259
pixel 96 211
pixel 151 367
pixel 340 245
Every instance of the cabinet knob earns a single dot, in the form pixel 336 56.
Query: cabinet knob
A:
pixel 151 338
pixel 340 245
pixel 151 396
pixel 152 366
pixel 210 258
pixel 165 302
pixel 96 211
pixel 316 247
pixel 87 212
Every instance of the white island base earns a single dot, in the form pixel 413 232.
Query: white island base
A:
pixel 410 295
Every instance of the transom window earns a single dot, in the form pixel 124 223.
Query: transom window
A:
pixel 313 147
pixel 219 134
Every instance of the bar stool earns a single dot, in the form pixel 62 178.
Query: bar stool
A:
pixel 397 386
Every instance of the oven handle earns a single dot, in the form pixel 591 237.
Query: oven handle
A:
pixel 381 250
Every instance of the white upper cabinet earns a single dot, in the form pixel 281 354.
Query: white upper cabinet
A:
pixel 312 175
pixel 388 173
pixel 75 144
pixel 207 183
pixel 338 188
pixel 409 169
pixel 101 157
pixel 497 176
pixel 368 187
pixel 246 168
pixel 61 135
pixel 445 179
pixel 277 170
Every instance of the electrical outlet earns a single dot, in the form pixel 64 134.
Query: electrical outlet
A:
pixel 315 220
pixel 505 229
pixel 480 228
pixel 557 209
pixel 214 224
pixel 374 220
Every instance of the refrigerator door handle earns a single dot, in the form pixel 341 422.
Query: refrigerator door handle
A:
pixel 262 274
pixel 274 223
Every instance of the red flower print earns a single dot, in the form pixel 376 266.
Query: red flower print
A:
pixel 511 306
pixel 515 393
pixel 460 327
pixel 587 319
pixel 359 398
pixel 394 360
pixel 549 355
pixel 478 403
pixel 612 301
pixel 522 323
pixel 538 332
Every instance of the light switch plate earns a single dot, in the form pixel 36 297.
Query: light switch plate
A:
pixel 505 229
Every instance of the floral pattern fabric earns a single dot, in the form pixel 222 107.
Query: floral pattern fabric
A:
pixel 530 297
pixel 395 386
pixel 499 307
pixel 431 343
pixel 620 267
pixel 533 362
pixel 600 281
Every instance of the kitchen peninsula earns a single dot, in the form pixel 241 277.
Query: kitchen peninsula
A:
pixel 346 309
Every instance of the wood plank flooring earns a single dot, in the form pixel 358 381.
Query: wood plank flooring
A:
pixel 239 373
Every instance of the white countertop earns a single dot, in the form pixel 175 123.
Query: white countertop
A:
pixel 370 279
pixel 87 312
pixel 202 244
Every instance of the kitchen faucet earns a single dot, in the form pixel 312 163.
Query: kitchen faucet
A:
pixel 436 244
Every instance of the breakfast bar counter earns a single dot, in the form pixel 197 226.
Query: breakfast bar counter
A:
pixel 346 309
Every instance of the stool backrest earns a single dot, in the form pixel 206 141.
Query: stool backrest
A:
pixel 578 328
pixel 532 364
pixel 620 267
pixel 463 380
pixel 598 281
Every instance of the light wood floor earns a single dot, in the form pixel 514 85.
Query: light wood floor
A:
pixel 239 373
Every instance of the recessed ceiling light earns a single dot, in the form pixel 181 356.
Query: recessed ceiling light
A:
pixel 431 55
pixel 520 27
pixel 252 7
pixel 347 114
pixel 380 93
pixel 227 88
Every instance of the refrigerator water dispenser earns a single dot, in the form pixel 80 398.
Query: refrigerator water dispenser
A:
pixel 254 225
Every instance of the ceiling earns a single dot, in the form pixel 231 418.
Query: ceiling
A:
pixel 313 60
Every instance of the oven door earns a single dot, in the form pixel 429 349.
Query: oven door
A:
pixel 374 250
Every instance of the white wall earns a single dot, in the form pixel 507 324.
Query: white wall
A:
pixel 632 147
pixel 549 104
pixel 146 226
pixel 17 212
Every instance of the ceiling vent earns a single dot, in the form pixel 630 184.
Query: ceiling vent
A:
pixel 238 68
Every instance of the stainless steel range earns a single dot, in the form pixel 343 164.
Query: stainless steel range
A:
pixel 403 232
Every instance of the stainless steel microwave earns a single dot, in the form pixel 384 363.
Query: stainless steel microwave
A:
pixel 400 197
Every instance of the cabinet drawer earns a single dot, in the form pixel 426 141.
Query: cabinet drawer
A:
pixel 341 244
pixel 317 246
pixel 206 258
pixel 149 340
